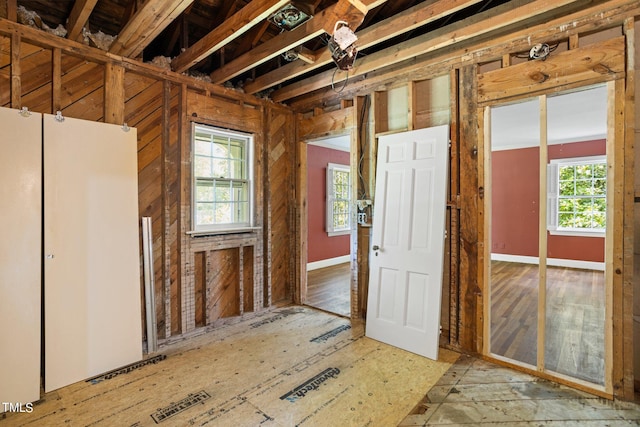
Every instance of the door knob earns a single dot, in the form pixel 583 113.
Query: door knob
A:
pixel 376 247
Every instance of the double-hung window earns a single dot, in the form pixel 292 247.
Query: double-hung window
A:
pixel 338 199
pixel 222 179
pixel 577 195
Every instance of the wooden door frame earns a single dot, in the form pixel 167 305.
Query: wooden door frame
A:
pixel 324 125
pixel 495 87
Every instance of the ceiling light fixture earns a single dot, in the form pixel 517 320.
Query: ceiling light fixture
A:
pixel 342 46
pixel 290 16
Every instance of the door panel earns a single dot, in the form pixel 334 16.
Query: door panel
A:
pixel 408 240
pixel 91 266
pixel 20 255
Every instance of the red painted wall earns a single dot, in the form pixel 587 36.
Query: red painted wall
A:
pixel 516 204
pixel 321 246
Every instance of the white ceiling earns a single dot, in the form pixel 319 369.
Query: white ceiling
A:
pixel 341 142
pixel 571 117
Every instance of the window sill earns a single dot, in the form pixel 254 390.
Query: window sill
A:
pixel 202 233
pixel 338 233
pixel 576 233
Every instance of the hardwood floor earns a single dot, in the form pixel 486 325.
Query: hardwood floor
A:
pixel 329 289
pixel 574 336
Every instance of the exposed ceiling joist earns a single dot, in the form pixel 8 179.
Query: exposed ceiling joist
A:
pixel 285 41
pixel 230 29
pixel 471 27
pixel 323 22
pixel 146 24
pixel 79 17
pixel 408 20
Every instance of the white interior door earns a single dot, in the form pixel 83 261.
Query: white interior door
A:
pixel 405 277
pixel 20 255
pixel 91 266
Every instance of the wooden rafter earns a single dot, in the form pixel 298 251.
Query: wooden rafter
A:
pixel 351 11
pixel 408 20
pixel 145 25
pixel 79 17
pixel 474 26
pixel 230 29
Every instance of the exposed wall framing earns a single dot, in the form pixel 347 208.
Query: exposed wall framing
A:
pixel 199 281
pixel 600 42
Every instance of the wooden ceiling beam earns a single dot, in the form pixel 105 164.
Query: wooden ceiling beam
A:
pixel 233 27
pixel 323 22
pixel 78 18
pixel 283 42
pixel 408 20
pixel 146 24
pixel 466 29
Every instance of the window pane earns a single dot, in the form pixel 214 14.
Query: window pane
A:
pixel 204 192
pixel 600 170
pixel 565 220
pixel 600 204
pixel 202 166
pixel 566 173
pixel 223 213
pixel 223 192
pixel 566 205
pixel 237 169
pixel 204 213
pixel 220 147
pixel 583 171
pixel 240 211
pixel 600 186
pixel 567 188
pixel 203 147
pixel 599 220
pixel 240 191
pixel 220 168
pixel 583 188
pixel 236 148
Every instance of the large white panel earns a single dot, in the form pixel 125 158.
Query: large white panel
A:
pixel 407 239
pixel 20 255
pixel 92 277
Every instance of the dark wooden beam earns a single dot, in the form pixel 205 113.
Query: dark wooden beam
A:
pixel 230 29
pixel 78 18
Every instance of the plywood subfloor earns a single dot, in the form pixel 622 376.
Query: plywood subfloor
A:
pixel 292 366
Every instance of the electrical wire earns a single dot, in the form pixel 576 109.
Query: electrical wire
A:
pixel 364 141
pixel 333 76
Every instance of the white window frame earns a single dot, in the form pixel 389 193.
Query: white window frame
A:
pixel 553 197
pixel 331 198
pixel 246 225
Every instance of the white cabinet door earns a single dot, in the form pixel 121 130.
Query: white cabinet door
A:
pixel 92 261
pixel 20 255
pixel 405 279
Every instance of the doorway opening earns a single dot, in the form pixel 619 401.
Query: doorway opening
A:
pixel 549 207
pixel 330 202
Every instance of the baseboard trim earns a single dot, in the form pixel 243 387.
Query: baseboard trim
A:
pixel 554 262
pixel 328 262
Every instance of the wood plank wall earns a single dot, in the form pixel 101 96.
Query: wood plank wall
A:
pixel 200 282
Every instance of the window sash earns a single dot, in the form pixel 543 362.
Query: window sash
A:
pixel 584 200
pixel 338 220
pixel 222 190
